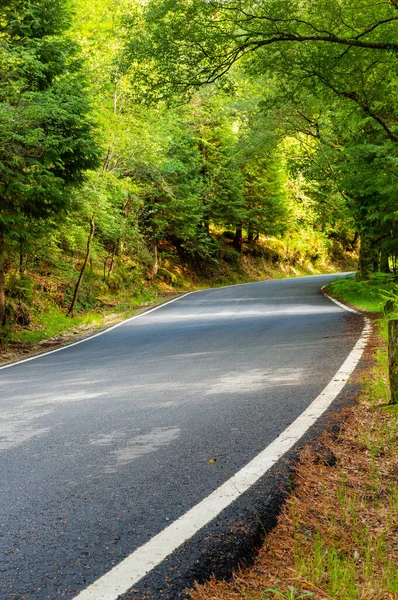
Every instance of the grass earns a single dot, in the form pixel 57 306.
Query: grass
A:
pixel 54 322
pixel 337 537
pixel 370 296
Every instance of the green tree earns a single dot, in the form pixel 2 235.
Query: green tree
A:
pixel 46 134
pixel 169 187
pixel 216 124
pixel 100 209
pixel 264 172
pixel 192 42
pixel 341 53
pixel 354 164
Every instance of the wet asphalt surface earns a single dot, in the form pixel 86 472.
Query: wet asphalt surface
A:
pixel 104 444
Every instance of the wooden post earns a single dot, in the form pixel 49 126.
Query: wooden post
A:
pixel 393 359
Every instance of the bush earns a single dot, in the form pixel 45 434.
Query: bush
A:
pixel 19 287
pixel 167 276
pixel 18 312
pixel 230 255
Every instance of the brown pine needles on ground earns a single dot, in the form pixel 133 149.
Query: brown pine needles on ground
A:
pixel 337 536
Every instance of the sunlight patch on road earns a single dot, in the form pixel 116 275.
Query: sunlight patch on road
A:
pixel 18 426
pixel 264 311
pixel 21 424
pixel 141 445
pixel 254 380
pixel 53 399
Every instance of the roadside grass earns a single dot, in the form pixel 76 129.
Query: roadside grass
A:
pixel 50 320
pixel 370 296
pixel 51 323
pixel 337 536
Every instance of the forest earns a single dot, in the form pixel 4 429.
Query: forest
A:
pixel 164 144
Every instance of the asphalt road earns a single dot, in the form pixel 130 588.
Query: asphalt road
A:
pixel 104 444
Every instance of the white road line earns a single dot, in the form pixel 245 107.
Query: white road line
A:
pixel 133 568
pixel 339 303
pixel 91 337
pixel 291 277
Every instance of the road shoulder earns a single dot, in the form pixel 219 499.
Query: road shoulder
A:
pixel 236 535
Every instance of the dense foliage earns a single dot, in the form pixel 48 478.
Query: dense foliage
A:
pixel 333 63
pixel 143 140
pixel 46 136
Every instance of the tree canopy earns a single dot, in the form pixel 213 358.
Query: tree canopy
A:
pixel 140 135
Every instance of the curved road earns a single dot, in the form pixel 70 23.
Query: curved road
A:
pixel 105 443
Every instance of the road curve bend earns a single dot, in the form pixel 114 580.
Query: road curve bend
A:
pixel 105 444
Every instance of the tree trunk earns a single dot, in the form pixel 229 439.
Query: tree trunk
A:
pixel 104 273
pixel 384 261
pixel 155 266
pixel 21 257
pixel 393 359
pixel 113 259
pixel 206 225
pixel 115 99
pixel 86 259
pixel 354 242
pixel 366 258
pixel 2 281
pixel 394 264
pixel 238 238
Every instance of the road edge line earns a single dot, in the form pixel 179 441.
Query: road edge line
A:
pixel 94 335
pixel 121 578
pixel 222 287
pixel 348 308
